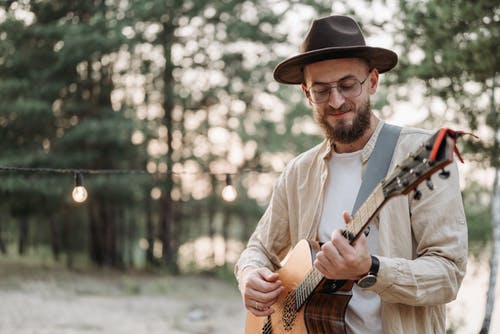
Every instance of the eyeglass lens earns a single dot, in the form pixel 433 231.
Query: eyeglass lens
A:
pixel 348 88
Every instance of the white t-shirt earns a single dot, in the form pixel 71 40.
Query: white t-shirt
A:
pixel 345 171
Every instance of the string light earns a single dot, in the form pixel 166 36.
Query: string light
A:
pixel 79 192
pixel 229 192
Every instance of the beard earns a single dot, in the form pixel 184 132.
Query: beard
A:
pixel 343 131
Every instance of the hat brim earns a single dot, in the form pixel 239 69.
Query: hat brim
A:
pixel 290 71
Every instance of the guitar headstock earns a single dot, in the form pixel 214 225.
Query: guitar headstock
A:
pixel 430 158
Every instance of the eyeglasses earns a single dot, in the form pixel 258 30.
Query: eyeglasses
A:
pixel 348 88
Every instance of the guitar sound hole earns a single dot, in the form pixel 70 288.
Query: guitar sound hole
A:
pixel 289 311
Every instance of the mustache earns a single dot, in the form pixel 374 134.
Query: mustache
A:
pixel 347 106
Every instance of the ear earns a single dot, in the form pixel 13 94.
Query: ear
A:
pixel 374 77
pixel 304 90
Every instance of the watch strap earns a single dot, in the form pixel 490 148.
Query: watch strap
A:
pixel 374 266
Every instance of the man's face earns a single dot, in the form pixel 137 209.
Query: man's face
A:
pixel 343 118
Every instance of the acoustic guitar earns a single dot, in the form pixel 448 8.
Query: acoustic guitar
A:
pixel 312 304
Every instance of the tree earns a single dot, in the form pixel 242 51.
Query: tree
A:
pixel 172 86
pixel 451 48
pixel 214 71
pixel 27 124
pixel 65 55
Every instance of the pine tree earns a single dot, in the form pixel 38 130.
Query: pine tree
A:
pixel 217 60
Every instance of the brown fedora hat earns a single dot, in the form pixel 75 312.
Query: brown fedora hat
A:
pixel 331 38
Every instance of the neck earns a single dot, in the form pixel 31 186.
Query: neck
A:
pixel 359 143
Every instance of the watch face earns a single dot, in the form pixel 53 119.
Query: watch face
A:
pixel 367 281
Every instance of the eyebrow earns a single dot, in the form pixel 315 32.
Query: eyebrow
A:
pixel 348 76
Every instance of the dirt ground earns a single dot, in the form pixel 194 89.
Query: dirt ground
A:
pixel 52 300
pixel 36 300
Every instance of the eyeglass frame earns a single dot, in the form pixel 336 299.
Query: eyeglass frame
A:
pixel 308 94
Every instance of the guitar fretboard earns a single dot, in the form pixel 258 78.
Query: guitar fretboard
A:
pixel 359 221
pixel 366 212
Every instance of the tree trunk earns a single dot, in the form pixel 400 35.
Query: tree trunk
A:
pixel 150 233
pixel 23 235
pixel 166 230
pixel 225 229
pixel 3 247
pixel 211 208
pixel 495 215
pixel 68 216
pixel 96 236
pixel 55 238
pixel 103 236
pixel 166 209
pixel 490 296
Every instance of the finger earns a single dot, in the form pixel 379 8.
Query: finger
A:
pixel 263 297
pixel 271 299
pixel 322 269
pixel 340 243
pixel 347 217
pixel 258 311
pixel 338 234
pixel 360 242
pixel 260 306
pixel 329 255
pixel 264 286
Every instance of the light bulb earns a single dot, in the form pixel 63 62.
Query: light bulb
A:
pixel 229 192
pixel 79 192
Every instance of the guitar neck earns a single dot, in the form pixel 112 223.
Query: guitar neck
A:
pixel 365 214
pixel 354 229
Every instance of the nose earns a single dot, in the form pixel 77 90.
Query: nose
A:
pixel 336 99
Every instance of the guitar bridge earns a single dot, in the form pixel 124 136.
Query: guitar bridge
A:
pixel 332 286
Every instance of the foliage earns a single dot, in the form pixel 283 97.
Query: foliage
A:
pixel 170 86
pixel 477 201
pixel 450 48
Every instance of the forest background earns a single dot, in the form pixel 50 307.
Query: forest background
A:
pixel 160 104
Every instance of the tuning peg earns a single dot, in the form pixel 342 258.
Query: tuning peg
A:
pixel 444 174
pixel 417 195
pixel 429 184
pixel 416 172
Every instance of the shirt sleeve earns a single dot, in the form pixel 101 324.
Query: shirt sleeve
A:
pixel 270 241
pixel 437 265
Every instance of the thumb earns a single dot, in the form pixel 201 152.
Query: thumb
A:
pixel 268 275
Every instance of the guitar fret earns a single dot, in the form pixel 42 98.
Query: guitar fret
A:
pixel 366 211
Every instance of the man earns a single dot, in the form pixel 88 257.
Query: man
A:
pixel 417 250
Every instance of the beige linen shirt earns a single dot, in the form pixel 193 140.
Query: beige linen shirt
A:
pixel 423 244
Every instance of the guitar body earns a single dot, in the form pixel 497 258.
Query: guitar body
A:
pixel 323 312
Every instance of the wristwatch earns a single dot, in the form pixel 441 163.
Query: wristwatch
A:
pixel 371 278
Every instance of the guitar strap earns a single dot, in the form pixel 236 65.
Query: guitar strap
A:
pixel 379 162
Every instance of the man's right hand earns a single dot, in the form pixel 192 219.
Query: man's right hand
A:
pixel 260 289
